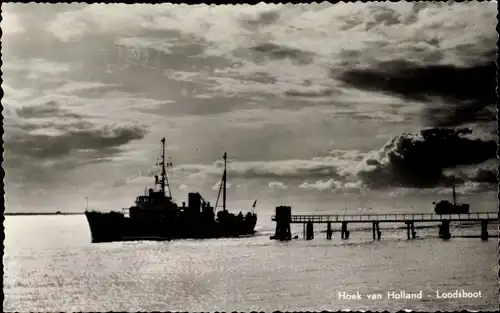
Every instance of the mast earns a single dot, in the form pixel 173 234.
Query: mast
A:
pixel 222 186
pixel 224 178
pixel 164 179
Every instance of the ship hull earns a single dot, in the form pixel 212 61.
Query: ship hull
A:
pixel 452 209
pixel 115 226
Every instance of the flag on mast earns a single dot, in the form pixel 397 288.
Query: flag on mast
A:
pixel 163 140
pixel 253 206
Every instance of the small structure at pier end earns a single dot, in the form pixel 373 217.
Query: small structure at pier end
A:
pixel 446 207
pixel 283 219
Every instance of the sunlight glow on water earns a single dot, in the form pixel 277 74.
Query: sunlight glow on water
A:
pixel 50 264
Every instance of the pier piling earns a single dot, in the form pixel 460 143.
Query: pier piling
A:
pixel 329 231
pixel 444 230
pixel 376 230
pixel 344 233
pixel 379 233
pixel 484 230
pixel 410 230
pixel 309 231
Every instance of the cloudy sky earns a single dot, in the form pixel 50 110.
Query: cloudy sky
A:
pixel 325 104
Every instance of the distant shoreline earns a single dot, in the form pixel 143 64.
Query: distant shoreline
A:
pixel 45 213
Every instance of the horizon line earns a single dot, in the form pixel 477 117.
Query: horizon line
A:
pixel 43 213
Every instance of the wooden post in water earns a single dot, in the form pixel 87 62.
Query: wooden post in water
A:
pixel 407 229
pixel 344 233
pixel 329 230
pixel 373 230
pixel 444 230
pixel 413 233
pixel 309 231
pixel 379 233
pixel 484 230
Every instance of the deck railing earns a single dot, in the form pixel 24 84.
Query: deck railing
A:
pixel 396 217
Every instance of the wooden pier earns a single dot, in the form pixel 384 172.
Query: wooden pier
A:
pixel 284 218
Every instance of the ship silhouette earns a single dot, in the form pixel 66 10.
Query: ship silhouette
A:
pixel 155 216
pixel 446 207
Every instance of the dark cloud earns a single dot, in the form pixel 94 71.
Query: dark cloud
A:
pixel 382 15
pixel 94 142
pixel 63 139
pixel 41 159
pixel 486 174
pixel 260 77
pixel 468 92
pixel 419 160
pixel 311 93
pixel 61 125
pixel 262 19
pixel 275 51
pixel 194 106
pixel 291 170
pixel 49 109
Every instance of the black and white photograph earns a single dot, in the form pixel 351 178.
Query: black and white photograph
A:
pixel 252 157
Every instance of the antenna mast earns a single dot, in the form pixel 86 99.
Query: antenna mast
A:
pixel 164 179
pixel 224 181
pixel 222 186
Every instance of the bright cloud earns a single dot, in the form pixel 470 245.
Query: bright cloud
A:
pixel 35 68
pixel 299 27
pixel 216 186
pixel 317 167
pixel 321 185
pixel 10 24
pixel 286 43
pixel 277 185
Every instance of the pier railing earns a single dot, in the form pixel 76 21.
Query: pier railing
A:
pixel 396 217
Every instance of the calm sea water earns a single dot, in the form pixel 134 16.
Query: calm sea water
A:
pixel 50 265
